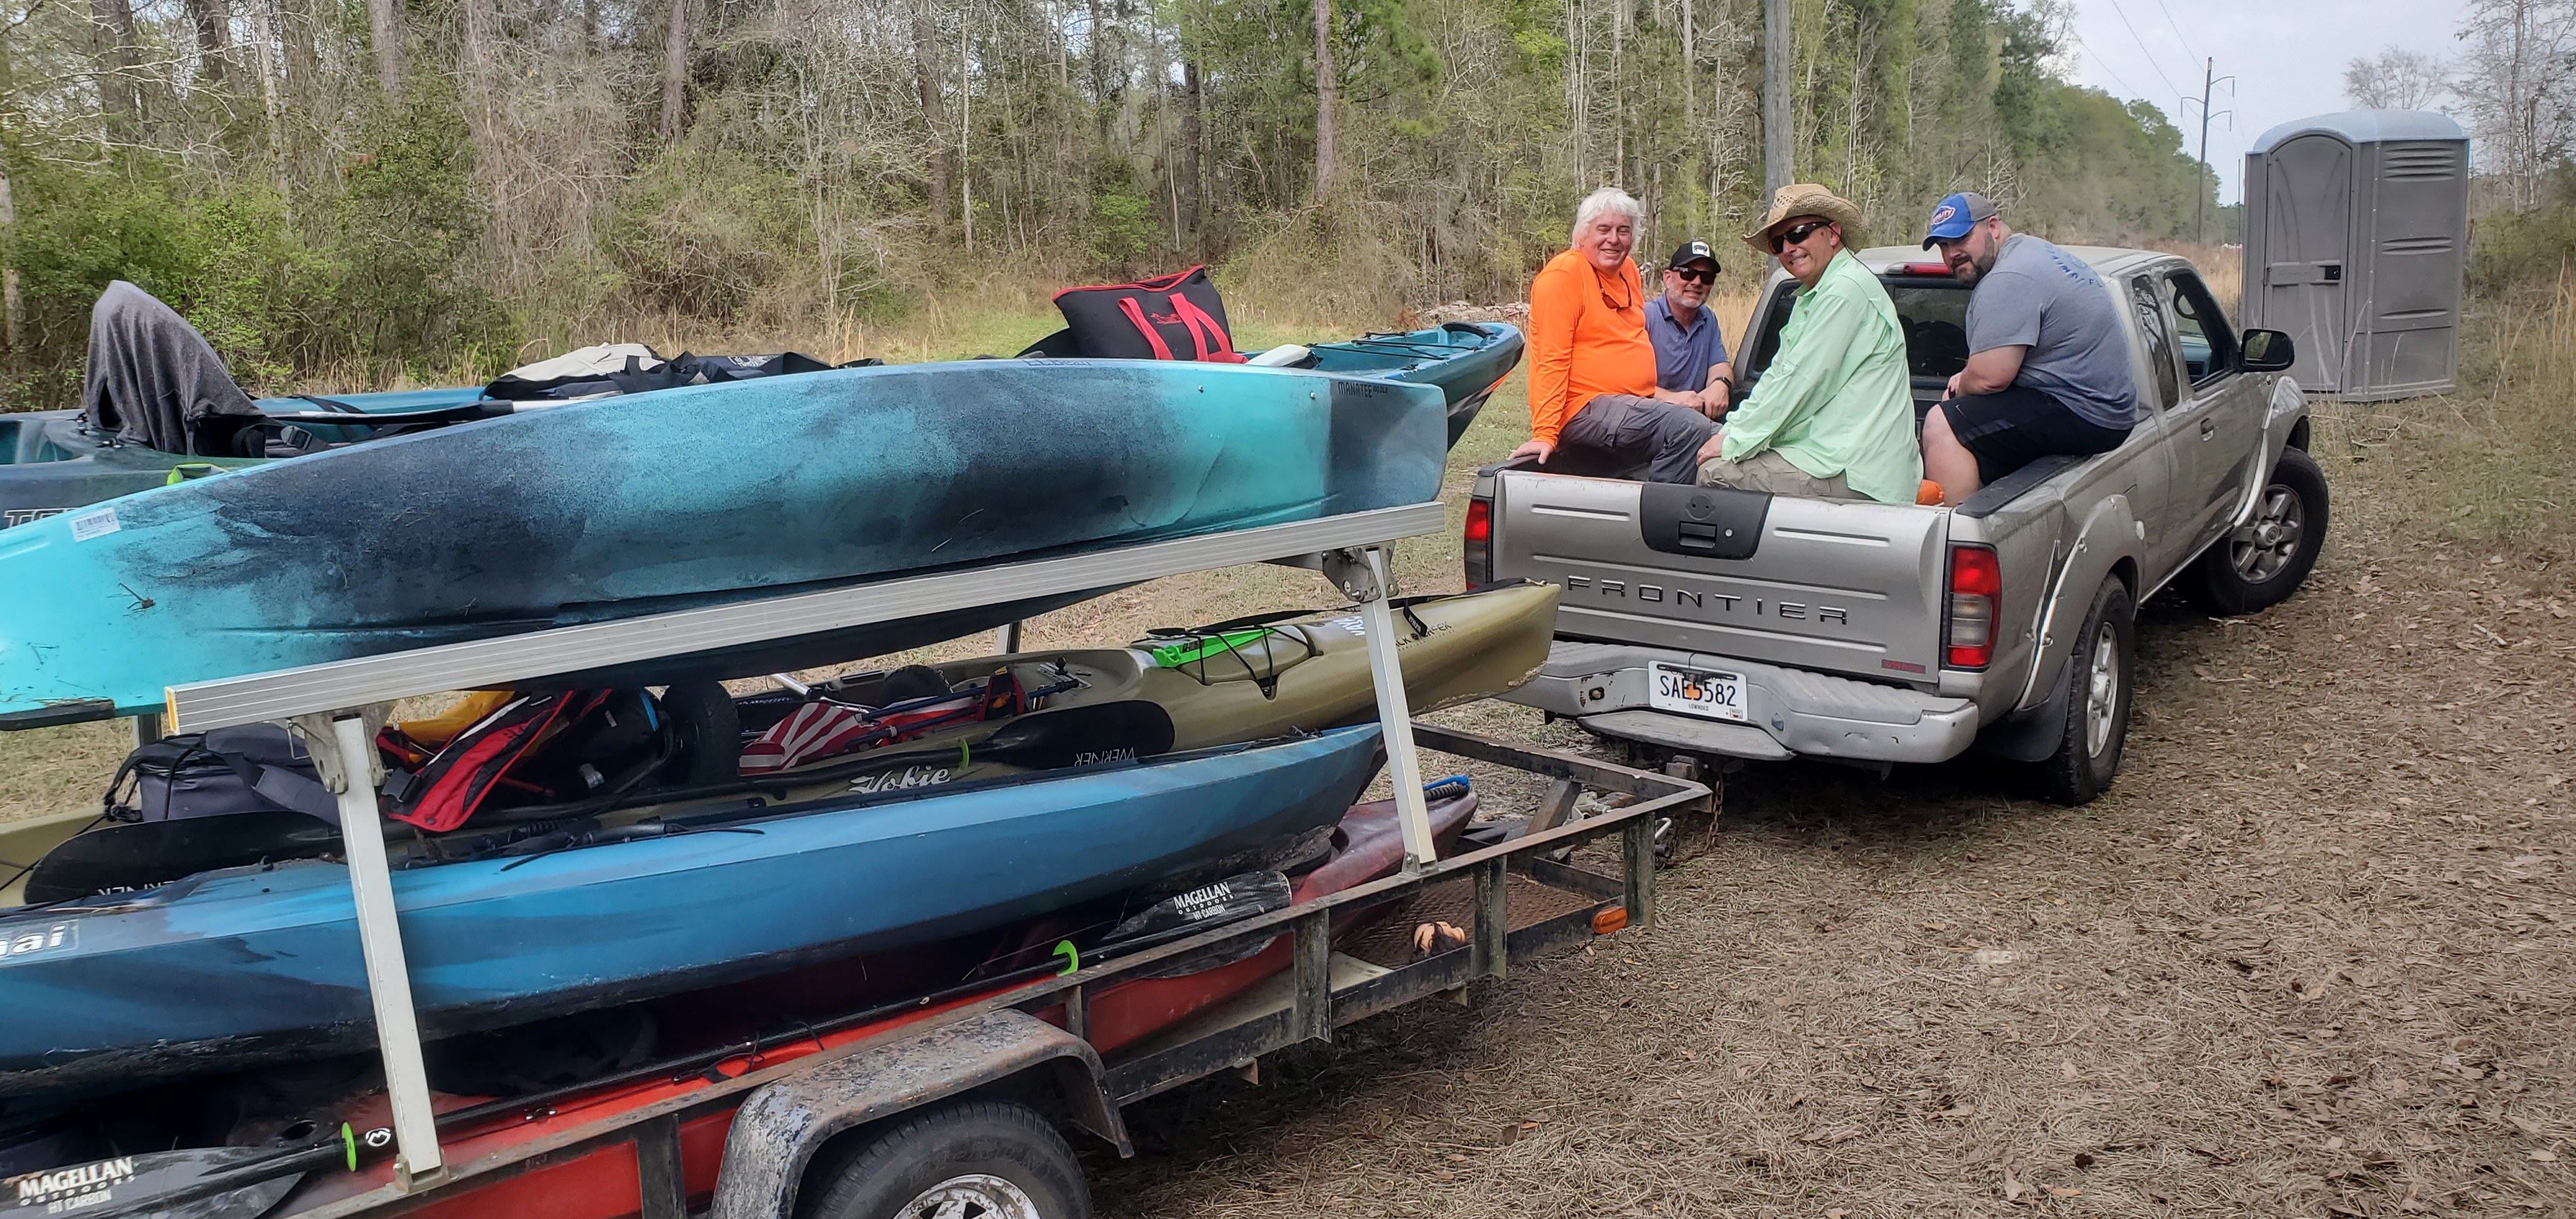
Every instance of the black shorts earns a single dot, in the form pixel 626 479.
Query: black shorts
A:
pixel 2018 425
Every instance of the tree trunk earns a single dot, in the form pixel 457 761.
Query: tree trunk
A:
pixel 1096 52
pixel 934 115
pixel 1325 87
pixel 1193 133
pixel 13 311
pixel 113 28
pixel 213 20
pixel 385 25
pixel 675 70
pixel 1777 162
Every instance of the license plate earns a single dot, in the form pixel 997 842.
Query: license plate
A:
pixel 1717 696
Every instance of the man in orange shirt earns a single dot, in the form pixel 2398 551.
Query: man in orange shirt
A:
pixel 1592 369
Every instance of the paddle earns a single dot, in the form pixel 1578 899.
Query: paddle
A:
pixel 197 1183
pixel 153 852
pixel 1073 736
pixel 463 412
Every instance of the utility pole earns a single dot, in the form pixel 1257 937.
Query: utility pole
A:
pixel 2209 81
pixel 1775 99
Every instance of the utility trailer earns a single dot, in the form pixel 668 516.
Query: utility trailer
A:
pixel 949 1103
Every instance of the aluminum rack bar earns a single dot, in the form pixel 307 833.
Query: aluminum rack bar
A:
pixel 199 706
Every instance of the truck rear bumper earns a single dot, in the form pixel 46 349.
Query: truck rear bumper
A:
pixel 1794 712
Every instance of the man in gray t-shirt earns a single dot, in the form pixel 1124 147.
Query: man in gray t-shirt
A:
pixel 2048 364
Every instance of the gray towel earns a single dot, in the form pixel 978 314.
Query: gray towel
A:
pixel 154 380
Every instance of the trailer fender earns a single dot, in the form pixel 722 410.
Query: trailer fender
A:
pixel 776 1132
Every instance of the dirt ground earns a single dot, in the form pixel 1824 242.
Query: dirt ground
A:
pixel 2310 957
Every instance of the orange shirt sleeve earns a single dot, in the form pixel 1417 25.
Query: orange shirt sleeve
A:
pixel 1556 304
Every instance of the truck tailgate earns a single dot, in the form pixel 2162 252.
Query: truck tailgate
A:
pixel 1843 587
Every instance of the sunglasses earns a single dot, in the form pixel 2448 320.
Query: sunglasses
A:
pixel 1696 276
pixel 1795 233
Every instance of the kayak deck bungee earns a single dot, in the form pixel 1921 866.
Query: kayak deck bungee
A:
pixel 244 965
pixel 600 511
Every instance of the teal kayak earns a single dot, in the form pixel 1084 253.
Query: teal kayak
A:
pixel 622 507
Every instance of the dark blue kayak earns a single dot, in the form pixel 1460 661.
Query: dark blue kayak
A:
pixel 231 968
pixel 630 506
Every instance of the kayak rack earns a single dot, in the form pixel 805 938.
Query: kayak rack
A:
pixel 337 707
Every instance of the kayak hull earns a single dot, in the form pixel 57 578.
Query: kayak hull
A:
pixel 233 968
pixel 615 509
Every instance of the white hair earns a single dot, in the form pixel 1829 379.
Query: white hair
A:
pixel 1606 199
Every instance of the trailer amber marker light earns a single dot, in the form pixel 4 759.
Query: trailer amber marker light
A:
pixel 1608 921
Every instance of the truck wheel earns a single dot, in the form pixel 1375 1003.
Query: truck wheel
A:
pixel 2261 564
pixel 968 1159
pixel 2097 701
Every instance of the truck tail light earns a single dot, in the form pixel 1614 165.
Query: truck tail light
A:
pixel 1976 606
pixel 1479 542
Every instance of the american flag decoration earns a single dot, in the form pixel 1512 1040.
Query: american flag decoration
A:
pixel 825 729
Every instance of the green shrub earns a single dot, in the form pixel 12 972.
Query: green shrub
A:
pixel 701 231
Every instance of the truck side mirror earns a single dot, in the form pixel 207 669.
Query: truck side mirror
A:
pixel 2265 351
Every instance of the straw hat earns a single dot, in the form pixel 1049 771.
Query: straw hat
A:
pixel 1806 199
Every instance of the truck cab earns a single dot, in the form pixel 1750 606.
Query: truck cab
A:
pixel 1740 624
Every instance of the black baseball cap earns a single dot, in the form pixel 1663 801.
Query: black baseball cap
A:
pixel 1691 252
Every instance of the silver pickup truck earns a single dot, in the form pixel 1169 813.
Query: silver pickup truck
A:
pixel 1739 624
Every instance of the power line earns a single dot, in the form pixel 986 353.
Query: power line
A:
pixel 2103 63
pixel 2142 49
pixel 2189 49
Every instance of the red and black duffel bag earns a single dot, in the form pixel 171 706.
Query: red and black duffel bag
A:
pixel 1170 317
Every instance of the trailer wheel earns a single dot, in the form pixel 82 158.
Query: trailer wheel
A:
pixel 2098 674
pixel 967 1159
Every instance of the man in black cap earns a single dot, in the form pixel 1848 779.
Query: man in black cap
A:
pixel 1690 355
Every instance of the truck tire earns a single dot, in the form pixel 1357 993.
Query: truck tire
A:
pixel 984 1158
pixel 2098 674
pixel 2260 565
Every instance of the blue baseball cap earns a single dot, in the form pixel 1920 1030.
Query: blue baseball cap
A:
pixel 1956 215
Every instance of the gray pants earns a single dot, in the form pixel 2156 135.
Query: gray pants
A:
pixel 1769 471
pixel 1629 429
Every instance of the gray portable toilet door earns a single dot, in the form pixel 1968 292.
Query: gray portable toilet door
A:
pixel 2307 226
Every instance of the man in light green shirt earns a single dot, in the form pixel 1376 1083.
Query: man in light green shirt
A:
pixel 1833 416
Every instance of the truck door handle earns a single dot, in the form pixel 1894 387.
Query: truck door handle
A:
pixel 2208 428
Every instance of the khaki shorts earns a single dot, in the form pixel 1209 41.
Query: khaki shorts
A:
pixel 1769 471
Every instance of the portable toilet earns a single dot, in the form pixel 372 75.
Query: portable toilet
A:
pixel 2356 236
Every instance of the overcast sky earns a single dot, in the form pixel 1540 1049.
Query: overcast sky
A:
pixel 2287 57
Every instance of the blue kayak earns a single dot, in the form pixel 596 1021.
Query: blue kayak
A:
pixel 235 967
pixel 682 498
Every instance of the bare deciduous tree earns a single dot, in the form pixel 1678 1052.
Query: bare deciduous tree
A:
pixel 675 70
pixel 2518 81
pixel 1325 87
pixel 926 73
pixel 2396 79
pixel 385 28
